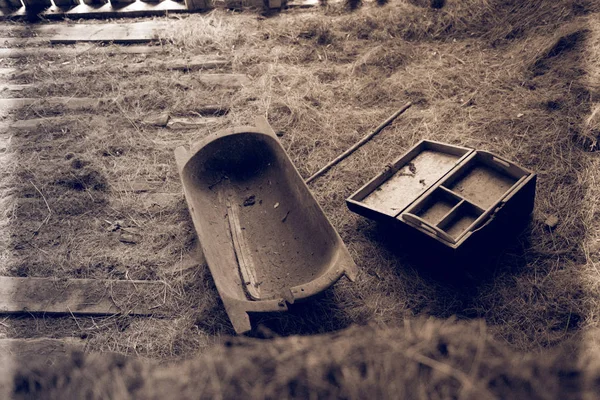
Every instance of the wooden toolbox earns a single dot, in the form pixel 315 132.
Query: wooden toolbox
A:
pixel 449 198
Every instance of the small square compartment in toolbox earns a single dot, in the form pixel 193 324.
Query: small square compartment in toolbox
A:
pixel 460 219
pixel 436 206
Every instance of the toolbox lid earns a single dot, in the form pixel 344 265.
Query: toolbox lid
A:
pixel 407 178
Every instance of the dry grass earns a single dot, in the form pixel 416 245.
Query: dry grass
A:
pixel 426 359
pixel 493 75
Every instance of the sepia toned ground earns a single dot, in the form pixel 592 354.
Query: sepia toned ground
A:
pixel 517 79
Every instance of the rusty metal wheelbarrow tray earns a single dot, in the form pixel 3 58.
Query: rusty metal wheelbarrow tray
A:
pixel 266 240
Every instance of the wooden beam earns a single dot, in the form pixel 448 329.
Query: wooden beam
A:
pixel 68 103
pixel 81 296
pixel 35 123
pixel 195 63
pixel 77 50
pixel 181 123
pixel 136 32
pixel 7 73
pixel 11 87
pixel 22 42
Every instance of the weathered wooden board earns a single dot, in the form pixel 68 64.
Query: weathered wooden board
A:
pixel 181 123
pixel 175 123
pixel 81 296
pixel 68 103
pixel 136 32
pixel 77 50
pixel 35 123
pixel 16 354
pixel 194 63
pixel 10 42
pixel 12 87
pixel 6 73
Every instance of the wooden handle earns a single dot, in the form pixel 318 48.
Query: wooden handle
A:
pixel 359 143
pixel 421 223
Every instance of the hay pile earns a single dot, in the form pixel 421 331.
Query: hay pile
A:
pixel 428 359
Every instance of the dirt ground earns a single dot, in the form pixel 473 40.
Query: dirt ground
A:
pixel 519 79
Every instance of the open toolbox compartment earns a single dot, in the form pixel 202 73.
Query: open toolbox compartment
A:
pixel 449 197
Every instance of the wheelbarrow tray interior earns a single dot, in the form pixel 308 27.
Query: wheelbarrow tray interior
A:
pixel 265 239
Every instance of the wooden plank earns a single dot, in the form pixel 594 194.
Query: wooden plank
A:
pixel 7 73
pixel 78 50
pixel 84 103
pixel 22 42
pixel 81 296
pixel 181 123
pixel 175 123
pixel 11 87
pixel 35 123
pixel 68 103
pixel 18 354
pixel 136 32
pixel 195 63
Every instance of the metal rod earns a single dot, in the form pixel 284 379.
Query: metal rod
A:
pixel 359 143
